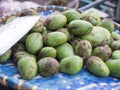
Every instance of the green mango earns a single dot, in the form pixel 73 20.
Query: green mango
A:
pixel 103 52
pixel 48 66
pixel 55 39
pixel 108 24
pixel 56 21
pixel 20 54
pixel 116 54
pixel 71 64
pixel 44 32
pixel 73 42
pixel 114 67
pixel 95 39
pixel 5 56
pixel 91 16
pixel 66 32
pixel 115 35
pixel 110 41
pixel 83 49
pixel 38 27
pixel 97 67
pixel 64 50
pixel 34 43
pixel 47 52
pixel 80 27
pixel 17 47
pixel 102 31
pixel 115 45
pixel 27 67
pixel 71 15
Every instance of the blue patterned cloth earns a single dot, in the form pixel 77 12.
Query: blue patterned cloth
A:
pixel 81 81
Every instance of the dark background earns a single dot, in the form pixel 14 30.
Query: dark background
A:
pixel 5 88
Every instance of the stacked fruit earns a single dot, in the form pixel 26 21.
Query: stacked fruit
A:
pixel 66 42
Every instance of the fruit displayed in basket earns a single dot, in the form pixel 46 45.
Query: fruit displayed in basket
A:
pixel 103 52
pixel 80 27
pixel 27 67
pixel 5 56
pixel 115 45
pixel 47 52
pixel 34 42
pixel 108 24
pixel 113 66
pixel 48 66
pixel 71 64
pixel 115 36
pixel 83 49
pixel 67 42
pixel 95 39
pixel 66 32
pixel 17 47
pixel 116 54
pixel 38 27
pixel 64 50
pixel 54 22
pixel 72 15
pixel 96 66
pixel 55 38
pixel 91 16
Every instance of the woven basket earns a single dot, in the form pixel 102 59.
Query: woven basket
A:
pixel 10 77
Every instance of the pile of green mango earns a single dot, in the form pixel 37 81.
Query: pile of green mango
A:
pixel 66 42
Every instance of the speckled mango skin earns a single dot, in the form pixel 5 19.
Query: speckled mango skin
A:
pixel 48 66
pixel 116 54
pixel 5 56
pixel 115 36
pixel 103 52
pixel 91 16
pixel 71 65
pixel 34 42
pixel 108 24
pixel 95 39
pixel 83 49
pixel 97 67
pixel 55 38
pixel 38 27
pixel 114 67
pixel 17 47
pixel 98 36
pixel 72 15
pixel 74 41
pixel 80 27
pixel 27 67
pixel 64 50
pixel 109 42
pixel 115 45
pixel 55 21
pixel 47 52
pixel 102 31
pixel 21 54
pixel 66 32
